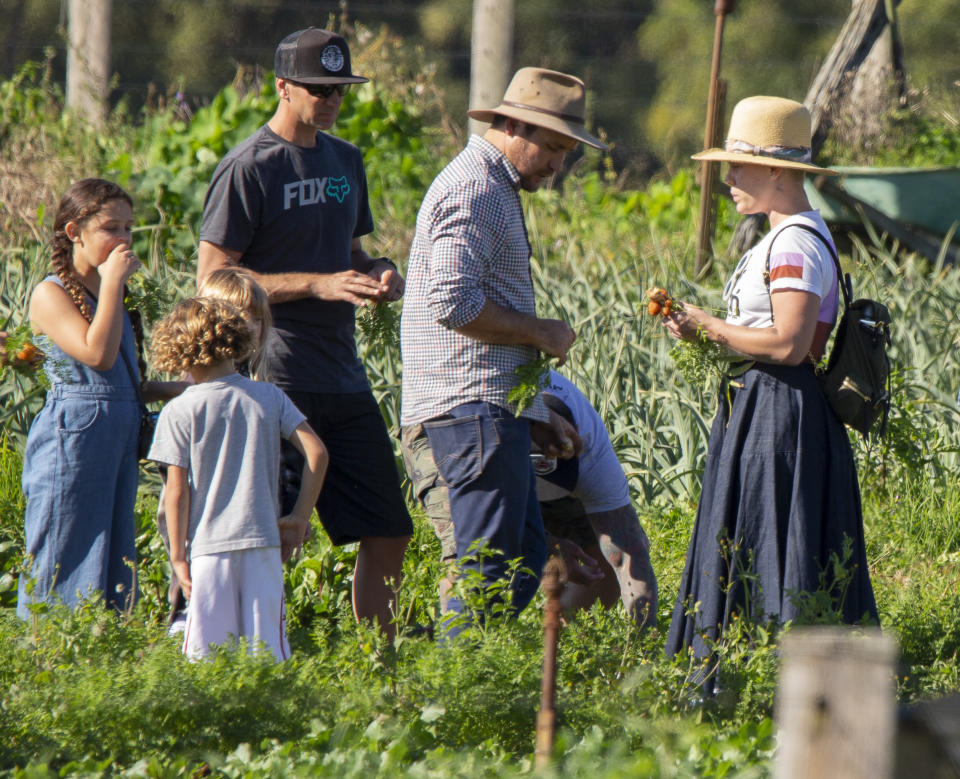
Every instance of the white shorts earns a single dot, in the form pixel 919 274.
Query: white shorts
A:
pixel 236 595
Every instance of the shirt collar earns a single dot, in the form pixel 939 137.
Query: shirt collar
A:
pixel 495 158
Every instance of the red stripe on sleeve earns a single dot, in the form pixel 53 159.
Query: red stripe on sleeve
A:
pixel 786 272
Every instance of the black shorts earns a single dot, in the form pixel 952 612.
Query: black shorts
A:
pixel 361 496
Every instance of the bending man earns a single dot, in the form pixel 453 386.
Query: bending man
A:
pixel 586 509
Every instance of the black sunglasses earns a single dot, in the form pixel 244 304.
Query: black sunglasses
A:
pixel 324 90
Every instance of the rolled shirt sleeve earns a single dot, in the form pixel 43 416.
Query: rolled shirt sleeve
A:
pixel 463 232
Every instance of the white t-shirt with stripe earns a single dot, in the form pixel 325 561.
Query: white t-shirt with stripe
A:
pixel 798 261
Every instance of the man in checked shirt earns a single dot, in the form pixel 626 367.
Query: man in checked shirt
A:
pixel 470 320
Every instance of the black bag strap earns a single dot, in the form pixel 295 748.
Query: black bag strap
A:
pixel 134 376
pixel 843 280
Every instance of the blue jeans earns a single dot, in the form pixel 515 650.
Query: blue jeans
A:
pixel 483 454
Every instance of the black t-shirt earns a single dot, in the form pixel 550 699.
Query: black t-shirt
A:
pixel 291 209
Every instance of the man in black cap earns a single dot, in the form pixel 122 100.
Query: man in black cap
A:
pixel 290 204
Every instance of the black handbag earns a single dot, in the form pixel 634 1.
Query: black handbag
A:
pixel 148 425
pixel 857 377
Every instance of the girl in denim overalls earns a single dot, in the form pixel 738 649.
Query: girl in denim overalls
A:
pixel 80 462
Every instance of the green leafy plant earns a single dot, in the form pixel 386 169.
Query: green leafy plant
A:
pixel 917 136
pixel 12 505
pixel 533 380
pixel 22 354
pixel 150 296
pixel 700 361
pixel 379 325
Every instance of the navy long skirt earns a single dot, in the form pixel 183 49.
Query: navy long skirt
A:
pixel 780 502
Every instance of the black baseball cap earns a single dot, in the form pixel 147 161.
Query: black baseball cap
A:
pixel 315 56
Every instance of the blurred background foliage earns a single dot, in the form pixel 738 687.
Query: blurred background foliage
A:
pixel 646 61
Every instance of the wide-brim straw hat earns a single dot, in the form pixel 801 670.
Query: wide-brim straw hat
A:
pixel 770 131
pixel 544 98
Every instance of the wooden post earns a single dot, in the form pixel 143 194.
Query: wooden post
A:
pixel 835 704
pixel 88 57
pixel 866 23
pixel 491 55
pixel 708 170
pixel 554 580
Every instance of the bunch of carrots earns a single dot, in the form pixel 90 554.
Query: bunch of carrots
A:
pixel 699 360
pixel 18 351
pixel 660 302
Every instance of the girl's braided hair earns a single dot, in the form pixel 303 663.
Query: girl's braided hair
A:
pixel 81 202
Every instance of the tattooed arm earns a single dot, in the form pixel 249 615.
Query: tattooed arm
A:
pixel 626 548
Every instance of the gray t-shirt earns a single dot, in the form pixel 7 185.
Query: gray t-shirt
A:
pixel 226 433
pixel 287 209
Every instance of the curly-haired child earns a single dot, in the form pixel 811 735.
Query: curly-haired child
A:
pixel 220 441
pixel 236 286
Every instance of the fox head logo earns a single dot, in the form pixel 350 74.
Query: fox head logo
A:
pixel 338 188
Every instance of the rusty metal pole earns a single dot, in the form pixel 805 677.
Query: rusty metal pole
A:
pixel 705 228
pixel 554 580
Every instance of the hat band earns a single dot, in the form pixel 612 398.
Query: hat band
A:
pixel 791 153
pixel 565 117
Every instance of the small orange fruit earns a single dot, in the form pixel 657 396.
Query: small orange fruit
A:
pixel 657 293
pixel 27 352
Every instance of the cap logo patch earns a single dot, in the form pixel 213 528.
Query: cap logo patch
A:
pixel 332 58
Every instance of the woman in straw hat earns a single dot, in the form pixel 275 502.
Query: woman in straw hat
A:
pixel 780 499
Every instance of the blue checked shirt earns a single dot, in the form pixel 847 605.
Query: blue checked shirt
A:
pixel 470 246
